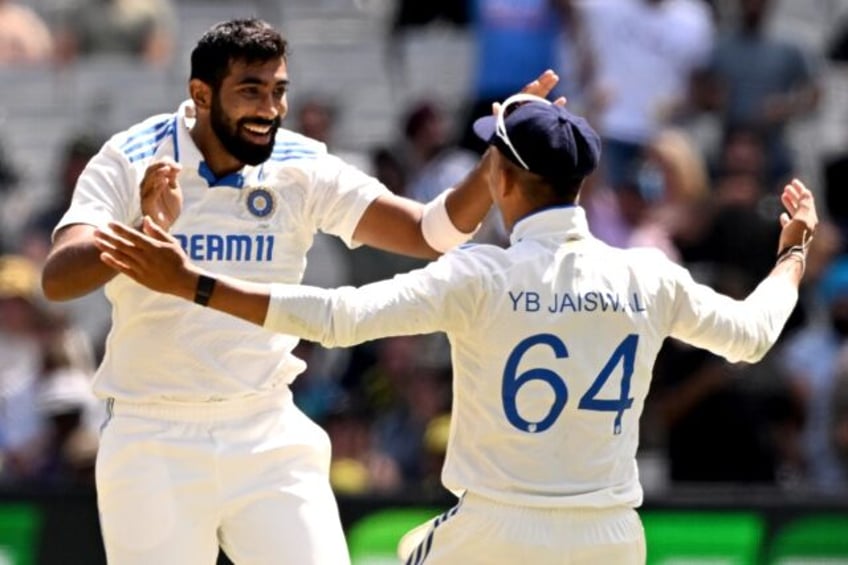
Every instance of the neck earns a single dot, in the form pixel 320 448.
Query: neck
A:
pixel 217 158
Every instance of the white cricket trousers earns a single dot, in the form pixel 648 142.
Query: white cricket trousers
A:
pixel 479 531
pixel 175 481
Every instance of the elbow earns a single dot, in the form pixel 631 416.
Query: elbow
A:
pixel 761 346
pixel 51 287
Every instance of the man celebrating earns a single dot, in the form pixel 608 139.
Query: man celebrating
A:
pixel 553 340
pixel 204 446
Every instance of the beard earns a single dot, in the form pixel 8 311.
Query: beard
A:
pixel 227 131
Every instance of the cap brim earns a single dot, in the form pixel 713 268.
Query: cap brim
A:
pixel 485 127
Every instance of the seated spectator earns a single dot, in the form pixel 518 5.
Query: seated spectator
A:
pixel 141 29
pixel 25 39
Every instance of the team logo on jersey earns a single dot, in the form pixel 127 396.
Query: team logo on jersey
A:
pixel 260 202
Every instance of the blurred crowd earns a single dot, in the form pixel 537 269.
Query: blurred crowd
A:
pixel 652 76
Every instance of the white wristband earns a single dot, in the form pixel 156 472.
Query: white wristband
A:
pixel 438 229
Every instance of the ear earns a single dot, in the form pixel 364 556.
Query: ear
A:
pixel 201 94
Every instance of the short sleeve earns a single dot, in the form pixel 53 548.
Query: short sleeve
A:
pixel 340 196
pixel 104 192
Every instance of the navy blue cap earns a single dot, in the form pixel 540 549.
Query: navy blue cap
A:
pixel 555 144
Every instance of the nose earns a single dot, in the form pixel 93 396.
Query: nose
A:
pixel 270 108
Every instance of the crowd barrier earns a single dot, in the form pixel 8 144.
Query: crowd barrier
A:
pixel 703 526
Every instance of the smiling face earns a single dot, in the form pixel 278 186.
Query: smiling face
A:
pixel 246 110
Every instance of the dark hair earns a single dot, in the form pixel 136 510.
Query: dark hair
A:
pixel 540 191
pixel 249 40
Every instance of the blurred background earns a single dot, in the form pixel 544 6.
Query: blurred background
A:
pixel 706 109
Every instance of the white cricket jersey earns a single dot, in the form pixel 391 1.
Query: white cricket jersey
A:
pixel 256 224
pixel 553 343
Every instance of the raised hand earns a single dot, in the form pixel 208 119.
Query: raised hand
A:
pixel 800 220
pixel 152 258
pixel 161 196
pixel 541 86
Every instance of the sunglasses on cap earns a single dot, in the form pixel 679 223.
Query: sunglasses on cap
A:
pixel 506 107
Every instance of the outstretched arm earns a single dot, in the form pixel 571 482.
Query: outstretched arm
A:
pixel 405 305
pixel 154 258
pixel 745 330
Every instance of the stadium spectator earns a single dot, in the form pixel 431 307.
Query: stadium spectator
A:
pixel 761 83
pixel 515 40
pixel 646 52
pixel 432 160
pixel 660 200
pixel 22 323
pixel 70 411
pixel 25 38
pixel 137 29
pixel 317 117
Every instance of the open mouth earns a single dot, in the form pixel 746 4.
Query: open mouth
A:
pixel 257 133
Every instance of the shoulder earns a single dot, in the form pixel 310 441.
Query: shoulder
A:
pixel 290 147
pixel 471 259
pixel 142 140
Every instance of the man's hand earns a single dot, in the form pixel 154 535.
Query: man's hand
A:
pixel 153 258
pixel 800 219
pixel 541 87
pixel 161 196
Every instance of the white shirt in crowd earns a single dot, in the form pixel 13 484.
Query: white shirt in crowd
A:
pixel 646 53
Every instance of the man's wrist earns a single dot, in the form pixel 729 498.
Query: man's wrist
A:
pixel 203 289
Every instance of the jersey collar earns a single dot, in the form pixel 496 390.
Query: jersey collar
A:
pixel 189 156
pixel 570 221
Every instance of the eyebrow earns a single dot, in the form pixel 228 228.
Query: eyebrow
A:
pixel 260 82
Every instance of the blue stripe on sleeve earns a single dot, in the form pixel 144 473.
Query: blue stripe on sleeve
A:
pixel 148 147
pixel 140 139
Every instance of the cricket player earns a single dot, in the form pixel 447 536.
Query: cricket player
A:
pixel 204 446
pixel 553 342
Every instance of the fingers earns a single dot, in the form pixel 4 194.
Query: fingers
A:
pixel 561 101
pixel 543 85
pixel 115 252
pixel 796 196
pixel 161 174
pixel 109 259
pixel 154 230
